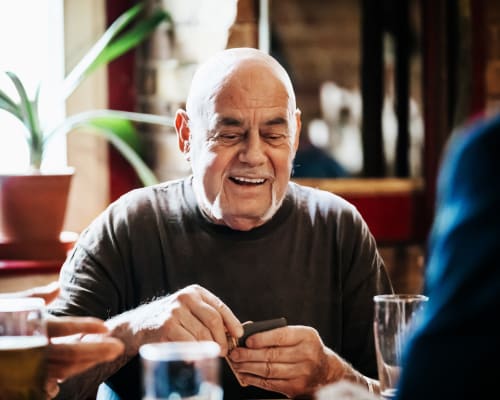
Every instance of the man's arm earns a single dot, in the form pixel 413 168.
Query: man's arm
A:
pixel 85 385
pixel 192 313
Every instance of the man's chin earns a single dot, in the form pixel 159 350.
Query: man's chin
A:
pixel 243 223
pixel 246 219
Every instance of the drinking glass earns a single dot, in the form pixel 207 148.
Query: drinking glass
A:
pixel 181 370
pixel 23 344
pixel 394 320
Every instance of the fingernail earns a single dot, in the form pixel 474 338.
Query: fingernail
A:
pixel 231 342
pixel 233 356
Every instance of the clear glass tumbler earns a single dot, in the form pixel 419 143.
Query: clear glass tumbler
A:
pixel 394 320
pixel 181 370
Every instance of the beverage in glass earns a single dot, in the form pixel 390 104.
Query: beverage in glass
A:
pixel 23 344
pixel 181 370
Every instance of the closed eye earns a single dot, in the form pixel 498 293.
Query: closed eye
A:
pixel 229 137
pixel 275 138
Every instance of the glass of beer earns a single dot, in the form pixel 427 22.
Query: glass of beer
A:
pixel 23 344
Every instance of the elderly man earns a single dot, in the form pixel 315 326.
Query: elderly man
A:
pixel 236 241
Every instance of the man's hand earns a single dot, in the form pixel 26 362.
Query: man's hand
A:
pixel 192 313
pixel 77 344
pixel 291 360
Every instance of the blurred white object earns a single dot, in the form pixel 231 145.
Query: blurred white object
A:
pixel 319 133
pixel 344 390
pixel 174 80
pixel 390 132
pixel 342 111
pixel 331 100
pixel 201 27
pixel 350 152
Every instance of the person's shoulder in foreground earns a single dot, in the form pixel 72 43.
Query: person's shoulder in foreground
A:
pixel 448 356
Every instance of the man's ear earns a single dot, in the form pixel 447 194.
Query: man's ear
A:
pixel 298 122
pixel 183 131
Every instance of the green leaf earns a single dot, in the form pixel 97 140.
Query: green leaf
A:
pixel 144 173
pixel 130 39
pixel 117 128
pixel 7 104
pixel 30 120
pixel 122 128
pixel 80 71
pixel 25 105
pixel 100 54
pixel 36 115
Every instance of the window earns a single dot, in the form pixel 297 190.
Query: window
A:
pixel 32 47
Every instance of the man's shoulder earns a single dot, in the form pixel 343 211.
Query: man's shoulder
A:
pixel 315 196
pixel 147 202
pixel 147 193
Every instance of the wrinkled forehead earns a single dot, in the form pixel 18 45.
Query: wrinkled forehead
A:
pixel 250 75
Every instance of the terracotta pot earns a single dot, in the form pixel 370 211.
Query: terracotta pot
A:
pixel 33 206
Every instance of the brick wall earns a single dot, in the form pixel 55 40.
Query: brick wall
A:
pixel 244 32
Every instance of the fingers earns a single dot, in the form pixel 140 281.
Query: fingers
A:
pixel 47 293
pixel 290 354
pixel 67 359
pixel 289 360
pixel 63 326
pixel 183 325
pixel 269 370
pixel 288 378
pixel 232 323
pixel 51 388
pixel 285 336
pixel 212 323
pixel 204 316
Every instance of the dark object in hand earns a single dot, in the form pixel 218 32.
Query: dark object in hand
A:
pixel 250 328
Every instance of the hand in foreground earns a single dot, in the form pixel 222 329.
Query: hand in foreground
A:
pixel 47 292
pixel 291 360
pixel 87 346
pixel 192 313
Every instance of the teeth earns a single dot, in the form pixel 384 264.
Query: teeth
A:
pixel 249 180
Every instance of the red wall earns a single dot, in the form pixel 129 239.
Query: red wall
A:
pixel 122 95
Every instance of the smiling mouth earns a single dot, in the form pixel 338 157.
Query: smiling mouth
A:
pixel 247 181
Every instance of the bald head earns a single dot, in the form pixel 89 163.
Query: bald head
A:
pixel 240 132
pixel 228 65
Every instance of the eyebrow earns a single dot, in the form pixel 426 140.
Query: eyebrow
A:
pixel 276 121
pixel 231 121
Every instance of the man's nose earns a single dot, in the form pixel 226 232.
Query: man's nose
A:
pixel 253 150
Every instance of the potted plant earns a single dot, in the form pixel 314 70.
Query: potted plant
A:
pixel 33 203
